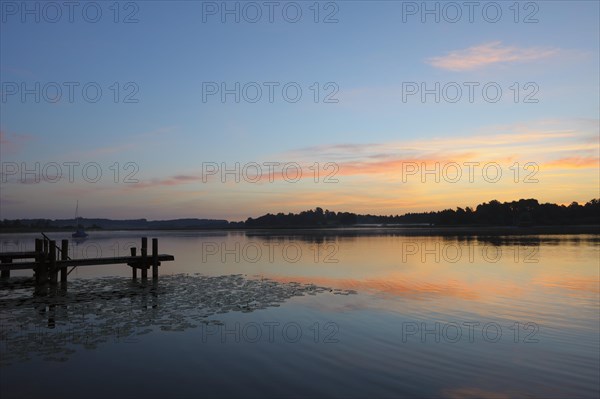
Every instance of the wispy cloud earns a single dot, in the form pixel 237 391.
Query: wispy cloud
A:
pixel 169 181
pixel 133 141
pixel 11 143
pixel 553 145
pixel 576 162
pixel 17 71
pixel 487 54
pixel 6 201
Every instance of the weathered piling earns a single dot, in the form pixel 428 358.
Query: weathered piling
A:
pixel 53 271
pixel 5 273
pixel 144 254
pixel 155 258
pixel 64 255
pixel 133 267
pixel 40 270
pixel 47 263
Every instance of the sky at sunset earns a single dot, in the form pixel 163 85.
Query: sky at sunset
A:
pixel 159 110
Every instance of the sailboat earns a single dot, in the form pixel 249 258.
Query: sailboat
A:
pixel 80 232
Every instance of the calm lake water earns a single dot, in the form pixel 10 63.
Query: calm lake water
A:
pixel 341 314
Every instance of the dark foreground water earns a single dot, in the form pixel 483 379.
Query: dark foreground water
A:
pixel 338 315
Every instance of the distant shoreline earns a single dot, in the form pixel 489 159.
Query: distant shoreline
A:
pixel 448 230
pixel 363 229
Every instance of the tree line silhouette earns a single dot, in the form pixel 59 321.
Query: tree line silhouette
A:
pixel 524 212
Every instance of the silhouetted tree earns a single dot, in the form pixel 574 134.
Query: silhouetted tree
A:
pixel 524 212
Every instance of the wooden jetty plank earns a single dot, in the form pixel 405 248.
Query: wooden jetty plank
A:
pixel 18 255
pixel 50 260
pixel 88 262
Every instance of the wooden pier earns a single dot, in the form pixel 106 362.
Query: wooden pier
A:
pixel 48 261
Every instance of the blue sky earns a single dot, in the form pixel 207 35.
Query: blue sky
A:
pixel 368 55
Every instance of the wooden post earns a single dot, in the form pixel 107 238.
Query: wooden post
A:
pixel 144 258
pixel 155 258
pixel 133 268
pixel 48 264
pixel 40 260
pixel 64 255
pixel 36 271
pixel 5 273
pixel 52 262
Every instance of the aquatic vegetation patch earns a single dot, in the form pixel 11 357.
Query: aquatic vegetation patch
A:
pixel 89 312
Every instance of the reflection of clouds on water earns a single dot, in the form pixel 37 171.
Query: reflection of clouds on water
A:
pixel 392 286
pixel 538 240
pixel 476 393
pixel 579 286
pixel 115 309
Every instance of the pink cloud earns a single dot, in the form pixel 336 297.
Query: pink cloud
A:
pixel 11 143
pixel 550 147
pixel 575 162
pixel 170 181
pixel 488 54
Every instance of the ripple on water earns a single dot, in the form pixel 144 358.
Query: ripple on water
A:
pixel 95 311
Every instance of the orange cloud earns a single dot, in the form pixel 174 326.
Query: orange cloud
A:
pixel 488 54
pixel 370 174
pixel 574 163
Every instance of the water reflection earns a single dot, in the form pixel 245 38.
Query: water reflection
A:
pixel 550 281
pixel 92 312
